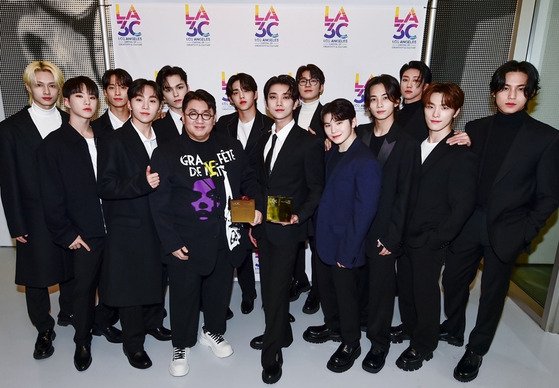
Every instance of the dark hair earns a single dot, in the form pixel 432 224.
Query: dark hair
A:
pixel 138 85
pixel 283 79
pixel 74 85
pixel 121 75
pixel 200 95
pixel 245 80
pixel 425 75
pixel 340 109
pixel 313 69
pixel 499 77
pixel 453 96
pixel 167 71
pixel 390 84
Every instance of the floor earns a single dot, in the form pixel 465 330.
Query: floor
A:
pixel 522 354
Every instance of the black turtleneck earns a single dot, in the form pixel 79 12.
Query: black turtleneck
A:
pixel 499 140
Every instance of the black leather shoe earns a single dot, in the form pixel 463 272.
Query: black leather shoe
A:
pixel 247 306
pixel 229 314
pixel 64 319
pixel 139 359
pixel 320 334
pixel 311 305
pixel 447 337
pixel 43 345
pixel 160 333
pixel 343 358
pixel 82 357
pixel 291 318
pixel 297 288
pixel 272 374
pixel 397 335
pixel 111 333
pixel 412 359
pixel 468 366
pixel 256 342
pixel 374 360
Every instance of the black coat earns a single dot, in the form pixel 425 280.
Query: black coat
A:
pixel 400 159
pixel 228 125
pixel 525 191
pixel 131 272
pixel 444 198
pixel 316 121
pixel 68 187
pixel 166 130
pixel 40 262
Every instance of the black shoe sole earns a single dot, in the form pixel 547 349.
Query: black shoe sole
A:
pixel 273 380
pixel 81 368
pixel 314 340
pixel 409 367
pixel 311 311
pixel 343 368
pixel 453 342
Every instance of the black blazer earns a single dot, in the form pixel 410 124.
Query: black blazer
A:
pixel 166 130
pixel 262 123
pixel 526 189
pixel 69 187
pixel 40 262
pixel 299 173
pixel 131 272
pixel 102 125
pixel 173 202
pixel 444 198
pixel 412 120
pixel 316 121
pixel 400 159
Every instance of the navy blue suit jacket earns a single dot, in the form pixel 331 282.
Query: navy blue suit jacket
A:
pixel 348 205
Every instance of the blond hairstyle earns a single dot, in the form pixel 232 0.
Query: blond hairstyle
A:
pixel 30 79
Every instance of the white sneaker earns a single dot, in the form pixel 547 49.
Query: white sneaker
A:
pixel 179 365
pixel 220 347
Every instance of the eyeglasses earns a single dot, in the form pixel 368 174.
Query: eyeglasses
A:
pixel 194 116
pixel 305 81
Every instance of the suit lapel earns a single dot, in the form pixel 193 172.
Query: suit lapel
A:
pixel 28 131
pixel 440 150
pixel 289 144
pixel 134 143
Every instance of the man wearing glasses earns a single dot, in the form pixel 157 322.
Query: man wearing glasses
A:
pixel 199 175
pixel 310 81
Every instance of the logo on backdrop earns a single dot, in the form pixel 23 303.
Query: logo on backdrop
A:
pixel 128 23
pixel 267 28
pixel 197 27
pixel 359 100
pixel 335 35
pixel 225 104
pixel 405 30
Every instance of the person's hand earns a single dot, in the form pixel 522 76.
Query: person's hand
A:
pixel 460 138
pixel 181 253
pixel 311 131
pixel 22 239
pixel 79 243
pixel 327 144
pixel 152 178
pixel 257 218
pixel 252 239
pixel 383 251
pixel 294 220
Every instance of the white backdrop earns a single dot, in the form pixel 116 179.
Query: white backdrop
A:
pixel 349 41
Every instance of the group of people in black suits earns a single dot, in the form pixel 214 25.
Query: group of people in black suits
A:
pixel 131 202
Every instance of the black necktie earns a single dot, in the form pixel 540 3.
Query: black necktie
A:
pixel 268 160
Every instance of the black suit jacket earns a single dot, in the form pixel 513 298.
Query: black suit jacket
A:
pixel 316 121
pixel 131 272
pixel 103 125
pixel 412 120
pixel 69 187
pixel 40 262
pixel 262 123
pixel 298 172
pixel 399 157
pixel 444 198
pixel 525 191
pixel 166 130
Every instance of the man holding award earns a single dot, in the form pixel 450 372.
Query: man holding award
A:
pixel 290 169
